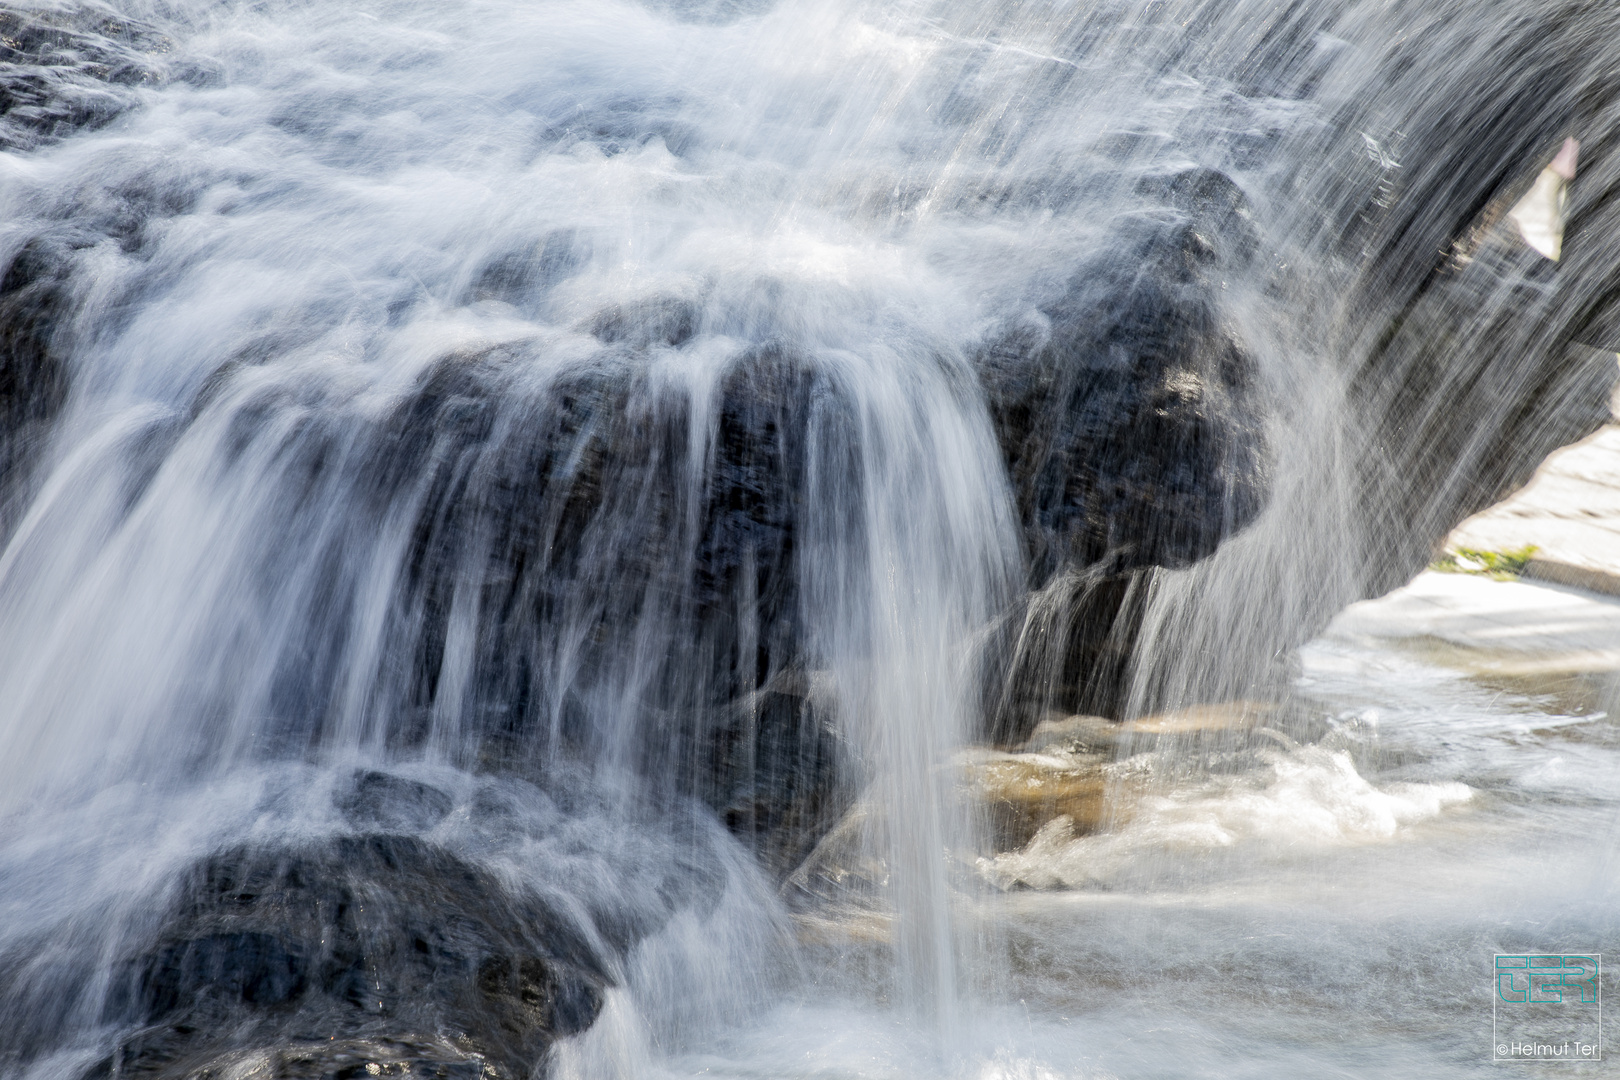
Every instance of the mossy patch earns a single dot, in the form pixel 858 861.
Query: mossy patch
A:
pixel 1498 565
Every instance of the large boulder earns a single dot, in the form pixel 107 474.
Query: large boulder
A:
pixel 1466 356
pixel 622 559
pixel 386 938
pixel 1127 408
pixel 625 588
pixel 1132 424
pixel 576 509
pixel 404 928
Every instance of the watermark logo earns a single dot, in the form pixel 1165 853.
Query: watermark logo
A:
pixel 1547 1007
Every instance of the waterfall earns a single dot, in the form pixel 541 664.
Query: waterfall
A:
pixel 513 511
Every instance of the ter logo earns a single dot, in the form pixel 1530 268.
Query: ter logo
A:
pixel 1534 979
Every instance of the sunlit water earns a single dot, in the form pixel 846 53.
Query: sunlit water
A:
pixel 1327 910
pixel 360 297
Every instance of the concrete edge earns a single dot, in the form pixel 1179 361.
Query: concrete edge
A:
pixel 1579 577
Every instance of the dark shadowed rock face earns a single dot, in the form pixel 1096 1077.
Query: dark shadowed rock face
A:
pixel 589 520
pixel 575 509
pixel 1072 650
pixel 1134 434
pixel 1477 356
pixel 34 298
pixel 370 944
pixel 1126 408
pixel 68 68
pixel 642 526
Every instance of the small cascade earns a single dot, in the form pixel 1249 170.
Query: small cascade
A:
pixel 520 520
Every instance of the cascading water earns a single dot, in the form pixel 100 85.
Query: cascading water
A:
pixel 514 511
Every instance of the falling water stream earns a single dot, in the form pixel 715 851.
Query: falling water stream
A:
pixel 526 470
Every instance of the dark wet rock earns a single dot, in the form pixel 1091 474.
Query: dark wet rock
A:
pixel 381 800
pixel 1447 443
pixel 778 774
pixel 659 320
pixel 255 969
pixel 755 498
pixel 516 277
pixel 1132 424
pixel 1444 442
pixel 1127 409
pixel 1072 649
pixel 34 298
pixel 1476 357
pixel 431 1057
pixel 63 69
pixel 576 511
pixel 582 507
pixel 379 938
pixel 40 290
pixel 572 509
pixel 1217 207
pixel 615 125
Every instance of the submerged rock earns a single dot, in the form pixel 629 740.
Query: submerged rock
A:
pixel 390 948
pixel 1020 793
pixel 1067 768
pixel 380 800
pixel 73 66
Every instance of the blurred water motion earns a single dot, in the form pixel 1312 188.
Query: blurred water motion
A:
pixel 538 536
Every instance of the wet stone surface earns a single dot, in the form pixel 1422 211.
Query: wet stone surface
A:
pixel 76 66
pixel 362 938
pixel 1127 409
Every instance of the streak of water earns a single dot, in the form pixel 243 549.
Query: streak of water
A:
pixel 542 475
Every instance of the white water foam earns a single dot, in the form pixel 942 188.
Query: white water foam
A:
pixel 1310 797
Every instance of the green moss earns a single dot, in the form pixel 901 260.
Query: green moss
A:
pixel 1499 565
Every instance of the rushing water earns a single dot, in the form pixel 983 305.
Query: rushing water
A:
pixel 532 465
